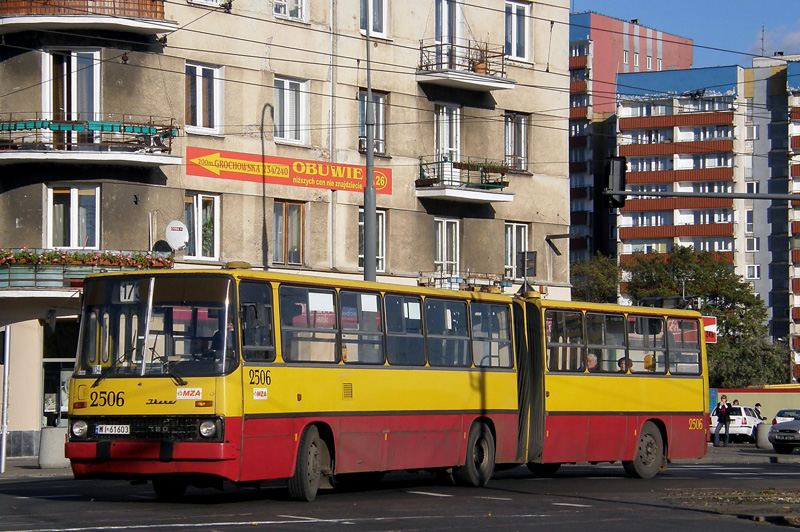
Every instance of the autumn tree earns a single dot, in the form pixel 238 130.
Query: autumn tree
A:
pixel 744 354
pixel 596 280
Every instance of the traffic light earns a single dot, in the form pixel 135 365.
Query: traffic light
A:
pixel 615 182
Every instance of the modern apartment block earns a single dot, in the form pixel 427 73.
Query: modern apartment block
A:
pixel 793 183
pixel 711 131
pixel 245 121
pixel 600 48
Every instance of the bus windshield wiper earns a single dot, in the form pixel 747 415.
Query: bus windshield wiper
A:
pixel 113 368
pixel 167 366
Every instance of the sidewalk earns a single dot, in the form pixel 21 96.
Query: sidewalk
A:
pixel 735 453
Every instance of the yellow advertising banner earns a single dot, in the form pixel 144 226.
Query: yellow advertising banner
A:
pixel 202 162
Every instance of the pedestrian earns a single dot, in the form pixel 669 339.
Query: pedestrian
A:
pixel 723 418
pixel 758 412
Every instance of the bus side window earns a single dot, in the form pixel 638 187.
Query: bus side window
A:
pixel 256 314
pixel 404 340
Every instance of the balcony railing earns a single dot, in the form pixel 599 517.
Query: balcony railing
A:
pixel 469 173
pixel 471 56
pixel 18 132
pixel 153 9
pixel 467 65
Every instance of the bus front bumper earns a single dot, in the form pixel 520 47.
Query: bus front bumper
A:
pixel 124 459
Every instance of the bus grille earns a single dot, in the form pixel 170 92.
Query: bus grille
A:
pixel 171 428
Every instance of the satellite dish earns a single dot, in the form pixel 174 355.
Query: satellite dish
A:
pixel 177 235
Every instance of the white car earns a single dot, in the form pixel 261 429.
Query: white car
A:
pixel 743 424
pixel 786 414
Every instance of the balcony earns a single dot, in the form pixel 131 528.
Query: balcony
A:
pixel 468 181
pixel 676 120
pixel 471 66
pixel 672 148
pixel 52 268
pixel 31 139
pixel 144 17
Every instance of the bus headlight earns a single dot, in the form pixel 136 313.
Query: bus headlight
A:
pixel 208 429
pixel 79 428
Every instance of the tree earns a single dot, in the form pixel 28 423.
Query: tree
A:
pixel 596 280
pixel 744 354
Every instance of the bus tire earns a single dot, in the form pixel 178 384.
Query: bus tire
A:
pixel 303 485
pixel 169 488
pixel 649 456
pixel 543 470
pixel 479 465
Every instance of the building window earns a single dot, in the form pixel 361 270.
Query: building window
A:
pixel 753 271
pixel 752 187
pixel 516 243
pixel 72 91
pixel 293 9
pixel 748 221
pixel 203 98
pixel 380 245
pixel 751 244
pixel 658 63
pixel 625 56
pixel 517 30
pixel 516 140
pixel 74 214
pixel 649 63
pixel 201 215
pixel 288 231
pixel 379 98
pixel 751 132
pixel 445 246
pixel 290 110
pixel 636 59
pixel 378 14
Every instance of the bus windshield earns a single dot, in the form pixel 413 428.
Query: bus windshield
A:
pixel 167 326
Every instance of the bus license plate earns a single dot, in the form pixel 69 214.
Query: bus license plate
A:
pixel 112 429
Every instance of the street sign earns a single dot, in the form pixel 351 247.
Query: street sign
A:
pixel 710 329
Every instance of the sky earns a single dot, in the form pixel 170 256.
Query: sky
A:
pixel 724 32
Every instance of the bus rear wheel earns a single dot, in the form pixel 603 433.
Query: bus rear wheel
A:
pixel 303 485
pixel 479 465
pixel 649 456
pixel 169 488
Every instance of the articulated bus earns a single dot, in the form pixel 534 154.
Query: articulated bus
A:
pixel 196 377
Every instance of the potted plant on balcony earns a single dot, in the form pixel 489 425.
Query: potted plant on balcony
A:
pixel 480 58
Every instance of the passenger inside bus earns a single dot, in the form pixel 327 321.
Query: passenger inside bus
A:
pixel 623 365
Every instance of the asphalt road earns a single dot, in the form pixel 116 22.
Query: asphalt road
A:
pixel 707 496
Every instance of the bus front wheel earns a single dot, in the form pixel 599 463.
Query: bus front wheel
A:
pixel 649 456
pixel 303 485
pixel 479 465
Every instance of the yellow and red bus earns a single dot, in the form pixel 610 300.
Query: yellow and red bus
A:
pixel 196 377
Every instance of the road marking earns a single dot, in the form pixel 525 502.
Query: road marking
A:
pixel 495 498
pixel 571 504
pixel 734 473
pixel 428 493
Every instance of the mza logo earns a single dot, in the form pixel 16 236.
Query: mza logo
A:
pixel 260 394
pixel 190 393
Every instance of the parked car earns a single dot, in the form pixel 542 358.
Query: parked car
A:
pixel 785 437
pixel 787 414
pixel 743 423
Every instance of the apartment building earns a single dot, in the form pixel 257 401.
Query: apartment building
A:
pixel 600 48
pixel 711 131
pixel 243 124
pixel 793 184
